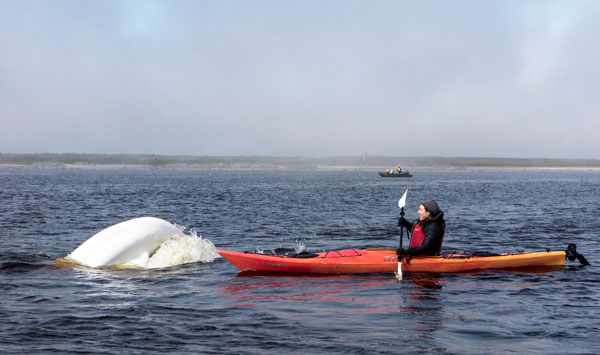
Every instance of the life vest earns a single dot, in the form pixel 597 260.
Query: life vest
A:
pixel 418 235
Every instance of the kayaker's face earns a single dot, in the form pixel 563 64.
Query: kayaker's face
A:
pixel 423 214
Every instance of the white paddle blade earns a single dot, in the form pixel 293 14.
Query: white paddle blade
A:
pixel 402 201
pixel 399 273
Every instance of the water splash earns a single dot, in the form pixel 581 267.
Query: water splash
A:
pixel 184 249
pixel 298 246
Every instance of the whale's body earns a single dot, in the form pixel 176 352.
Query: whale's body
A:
pixel 128 243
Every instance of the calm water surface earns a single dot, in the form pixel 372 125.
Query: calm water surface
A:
pixel 209 308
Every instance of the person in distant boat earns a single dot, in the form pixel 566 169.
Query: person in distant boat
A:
pixel 427 232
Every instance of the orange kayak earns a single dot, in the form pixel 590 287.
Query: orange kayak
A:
pixel 352 261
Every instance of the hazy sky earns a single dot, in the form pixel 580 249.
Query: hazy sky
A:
pixel 301 78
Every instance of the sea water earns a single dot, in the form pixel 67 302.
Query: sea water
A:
pixel 194 304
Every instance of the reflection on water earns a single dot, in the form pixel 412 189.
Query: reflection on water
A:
pixel 324 291
pixel 424 304
pixel 362 292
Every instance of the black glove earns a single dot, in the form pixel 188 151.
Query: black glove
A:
pixel 402 221
pixel 402 251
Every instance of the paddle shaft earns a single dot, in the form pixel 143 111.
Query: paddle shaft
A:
pixel 401 231
pixel 401 204
pixel 399 273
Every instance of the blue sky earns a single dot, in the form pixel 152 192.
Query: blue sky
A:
pixel 301 78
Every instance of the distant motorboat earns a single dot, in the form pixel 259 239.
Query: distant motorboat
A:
pixel 397 175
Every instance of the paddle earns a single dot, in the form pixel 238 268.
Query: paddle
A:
pixel 401 204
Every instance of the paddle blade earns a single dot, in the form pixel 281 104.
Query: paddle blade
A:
pixel 399 273
pixel 402 201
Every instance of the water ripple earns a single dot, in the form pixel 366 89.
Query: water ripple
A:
pixel 210 308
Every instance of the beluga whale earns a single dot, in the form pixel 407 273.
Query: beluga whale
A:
pixel 133 243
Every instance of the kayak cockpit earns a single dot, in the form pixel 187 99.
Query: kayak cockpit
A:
pixel 284 252
pixel 304 254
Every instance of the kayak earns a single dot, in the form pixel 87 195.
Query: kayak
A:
pixel 403 174
pixel 353 261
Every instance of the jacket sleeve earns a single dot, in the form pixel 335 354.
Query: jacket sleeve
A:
pixel 431 243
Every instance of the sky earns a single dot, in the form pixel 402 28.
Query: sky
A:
pixel 517 79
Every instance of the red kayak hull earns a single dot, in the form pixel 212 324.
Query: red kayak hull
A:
pixel 353 261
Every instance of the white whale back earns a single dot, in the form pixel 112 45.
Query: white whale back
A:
pixel 128 243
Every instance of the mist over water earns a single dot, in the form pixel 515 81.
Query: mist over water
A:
pixel 310 78
pixel 188 301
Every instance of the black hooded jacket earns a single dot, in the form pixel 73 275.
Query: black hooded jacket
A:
pixel 433 228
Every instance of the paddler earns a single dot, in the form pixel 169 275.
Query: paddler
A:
pixel 427 232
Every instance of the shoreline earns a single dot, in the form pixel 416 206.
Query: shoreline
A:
pixel 75 161
pixel 281 167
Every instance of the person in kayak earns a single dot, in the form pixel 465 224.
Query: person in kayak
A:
pixel 427 232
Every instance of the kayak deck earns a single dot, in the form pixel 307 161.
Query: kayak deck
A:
pixel 351 261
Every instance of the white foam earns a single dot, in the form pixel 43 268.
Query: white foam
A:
pixel 179 250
